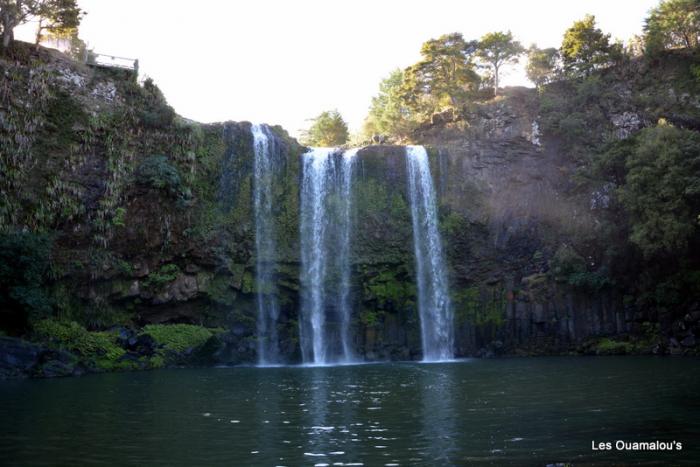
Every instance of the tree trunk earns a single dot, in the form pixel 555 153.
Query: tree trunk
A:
pixel 8 27
pixel 495 81
pixel 40 28
pixel 7 37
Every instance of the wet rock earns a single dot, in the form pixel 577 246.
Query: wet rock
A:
pixel 144 345
pixel 58 363
pixel 688 341
pixel 227 349
pixel 191 268
pixel 674 347
pixel 18 357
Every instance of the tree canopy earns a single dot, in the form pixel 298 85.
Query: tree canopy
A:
pixel 388 113
pixel 58 17
pixel 541 65
pixel 53 15
pixel 661 189
pixel 673 24
pixel 327 129
pixel 497 49
pixel 585 47
pixel 444 77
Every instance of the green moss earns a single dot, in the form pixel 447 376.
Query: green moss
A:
pixel 167 273
pixel 219 290
pixel 389 289
pixel 370 318
pixel 179 337
pixel 480 306
pixel 606 346
pixel 119 217
pixel 248 283
pixel 99 348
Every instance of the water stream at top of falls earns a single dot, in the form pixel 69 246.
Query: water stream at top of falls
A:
pixel 326 225
pixel 437 323
pixel 265 245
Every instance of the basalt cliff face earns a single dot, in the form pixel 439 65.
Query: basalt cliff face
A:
pixel 151 217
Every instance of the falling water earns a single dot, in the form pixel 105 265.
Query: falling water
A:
pixel 345 309
pixel 325 256
pixel 268 308
pixel 433 294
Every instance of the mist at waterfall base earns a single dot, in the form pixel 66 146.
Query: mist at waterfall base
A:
pixel 502 412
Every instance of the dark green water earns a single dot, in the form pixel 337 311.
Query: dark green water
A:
pixel 497 412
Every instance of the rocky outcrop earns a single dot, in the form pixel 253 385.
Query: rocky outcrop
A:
pixel 22 359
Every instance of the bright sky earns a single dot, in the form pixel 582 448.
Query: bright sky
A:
pixel 282 62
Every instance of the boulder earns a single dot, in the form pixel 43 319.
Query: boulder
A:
pixel 18 357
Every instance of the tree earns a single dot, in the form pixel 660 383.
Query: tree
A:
pixel 585 47
pixel 388 113
pixel 541 65
pixel 661 190
pixel 58 17
pixel 328 129
pixel 673 24
pixel 444 77
pixel 57 13
pixel 498 49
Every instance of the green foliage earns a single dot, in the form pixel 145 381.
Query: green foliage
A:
pixel 119 217
pixel 24 272
pixel 389 291
pixel 541 65
pixel 673 24
pixel 219 290
pixel 388 114
pixel 370 318
pixel 662 189
pixel 480 306
pixel 566 262
pixel 155 112
pixel 572 111
pixel 166 274
pixel 444 77
pixel 100 348
pixel 585 48
pixel 607 346
pixel 497 49
pixel 179 337
pixel 157 172
pixel 328 129
pixel 569 267
pixel 58 17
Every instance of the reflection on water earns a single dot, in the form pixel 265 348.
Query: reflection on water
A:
pixel 497 412
pixel 438 390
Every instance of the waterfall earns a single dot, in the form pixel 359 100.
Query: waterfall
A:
pixel 265 246
pixel 345 308
pixel 431 276
pixel 326 199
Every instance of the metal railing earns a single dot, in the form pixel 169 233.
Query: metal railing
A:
pixel 111 61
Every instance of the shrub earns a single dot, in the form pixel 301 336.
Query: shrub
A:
pixel 24 270
pixel 157 113
pixel 100 348
pixel 167 273
pixel 606 346
pixel 157 172
pixel 179 337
